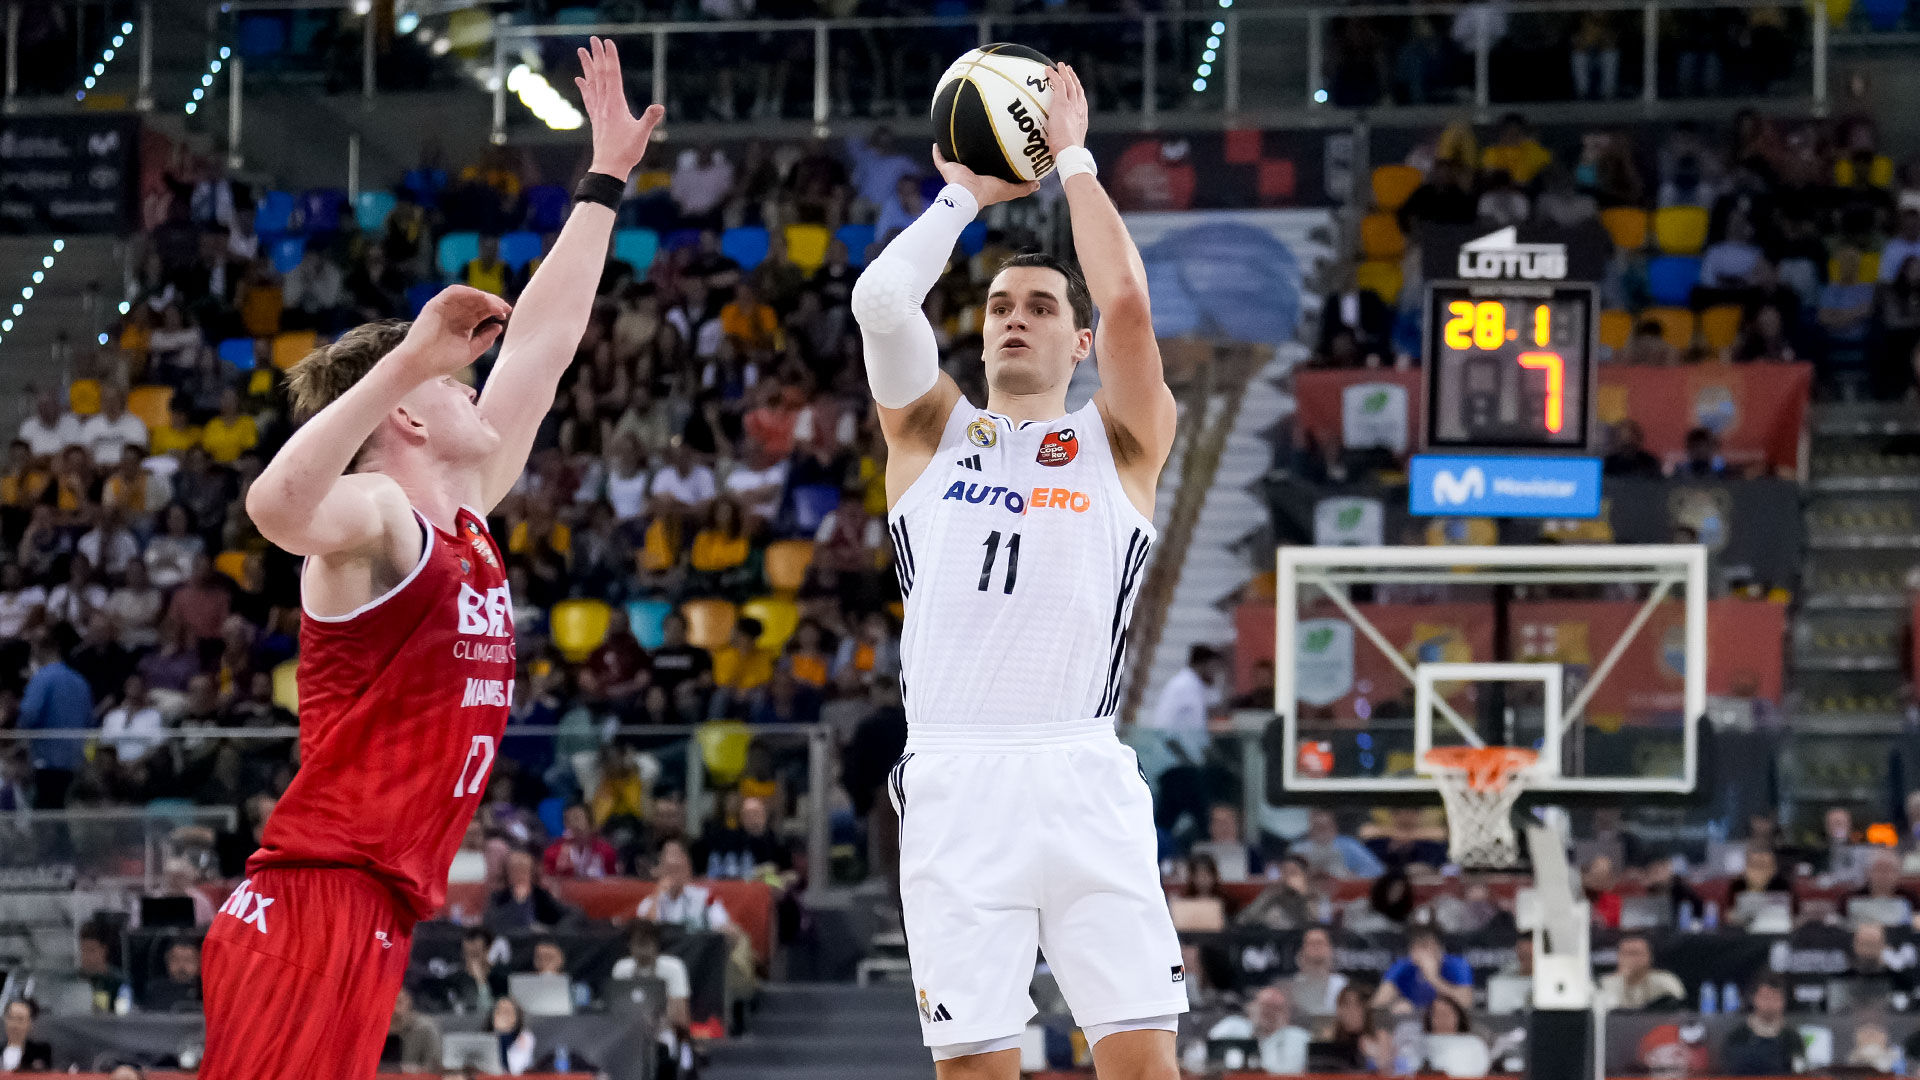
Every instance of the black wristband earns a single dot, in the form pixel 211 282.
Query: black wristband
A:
pixel 600 188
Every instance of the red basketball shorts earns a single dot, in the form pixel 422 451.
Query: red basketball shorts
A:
pixel 299 974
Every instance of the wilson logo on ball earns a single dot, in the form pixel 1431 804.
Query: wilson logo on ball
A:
pixel 1036 145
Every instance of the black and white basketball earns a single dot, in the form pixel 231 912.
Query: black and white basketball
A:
pixel 990 112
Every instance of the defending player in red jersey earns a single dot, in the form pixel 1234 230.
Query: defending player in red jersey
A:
pixel 406 640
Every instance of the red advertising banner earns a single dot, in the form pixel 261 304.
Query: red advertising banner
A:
pixel 1758 410
pixel 1342 676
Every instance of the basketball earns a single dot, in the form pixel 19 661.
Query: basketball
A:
pixel 990 112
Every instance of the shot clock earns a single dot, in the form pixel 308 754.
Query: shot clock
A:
pixel 1510 367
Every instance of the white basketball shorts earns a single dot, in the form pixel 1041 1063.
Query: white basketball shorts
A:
pixel 1011 840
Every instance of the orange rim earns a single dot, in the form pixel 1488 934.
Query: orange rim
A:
pixel 1487 768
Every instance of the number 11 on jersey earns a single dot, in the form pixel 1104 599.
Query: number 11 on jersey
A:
pixel 992 544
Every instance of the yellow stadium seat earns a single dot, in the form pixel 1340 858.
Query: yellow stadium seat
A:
pixel 778 617
pixel 709 622
pixel 1869 271
pixel 286 686
pixel 1720 325
pixel 1381 238
pixel 470 32
pixel 1627 225
pixel 1615 328
pixel 1680 230
pixel 723 746
pixel 652 180
pixel 1393 185
pixel 1676 325
pixel 787 562
pixel 579 626
pixel 233 564
pixel 1380 278
pixel 150 404
pixel 807 246
pixel 291 346
pixel 83 397
pixel 1837 12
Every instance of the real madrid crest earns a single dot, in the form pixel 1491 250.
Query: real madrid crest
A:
pixel 981 433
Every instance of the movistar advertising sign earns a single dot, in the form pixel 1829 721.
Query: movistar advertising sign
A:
pixel 1554 487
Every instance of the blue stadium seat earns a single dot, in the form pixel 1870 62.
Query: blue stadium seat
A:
pixel 746 245
pixel 552 813
pixel 648 620
pixel 260 36
pixel 456 251
pixel 370 210
pixel 857 238
pixel 237 353
pixel 973 238
pixel 418 295
pixel 636 247
pixel 576 16
pixel 287 252
pixel 321 210
pixel 811 504
pixel 274 214
pixel 517 249
pixel 547 207
pixel 1883 14
pixel 1671 278
pixel 681 238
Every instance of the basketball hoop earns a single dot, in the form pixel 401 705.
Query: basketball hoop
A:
pixel 1478 785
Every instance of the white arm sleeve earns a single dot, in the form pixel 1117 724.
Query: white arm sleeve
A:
pixel 903 360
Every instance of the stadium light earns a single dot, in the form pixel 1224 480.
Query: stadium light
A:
pixel 46 261
pixel 541 99
pixel 191 107
pixel 59 246
pixel 126 28
pixel 199 92
pixel 103 337
pixel 87 82
pixel 1320 97
pixel 1199 84
pixel 225 52
pixel 7 325
pixel 39 276
pixel 1218 28
pixel 406 23
pixel 106 57
pixel 125 307
pixel 119 40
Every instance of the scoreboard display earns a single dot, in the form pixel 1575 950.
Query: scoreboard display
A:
pixel 1510 367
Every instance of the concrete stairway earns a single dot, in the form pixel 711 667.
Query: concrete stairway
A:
pixel 827 1031
pixel 27 354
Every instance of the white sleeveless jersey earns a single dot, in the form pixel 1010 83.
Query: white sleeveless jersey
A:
pixel 1020 556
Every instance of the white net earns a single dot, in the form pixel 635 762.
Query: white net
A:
pixel 1479 804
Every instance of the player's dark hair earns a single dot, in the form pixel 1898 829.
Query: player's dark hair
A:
pixel 1078 297
pixel 323 375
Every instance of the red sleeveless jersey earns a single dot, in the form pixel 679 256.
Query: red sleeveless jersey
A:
pixel 402 706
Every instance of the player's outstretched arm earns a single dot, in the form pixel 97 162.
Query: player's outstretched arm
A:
pixel 305 501
pixel 1134 398
pixel 556 304
pixel 902 357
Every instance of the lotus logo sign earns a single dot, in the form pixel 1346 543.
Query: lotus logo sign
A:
pixel 1505 486
pixel 1500 254
pixel 1458 490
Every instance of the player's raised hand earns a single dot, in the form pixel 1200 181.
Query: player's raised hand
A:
pixel 986 190
pixel 455 328
pixel 619 139
pixel 1067 114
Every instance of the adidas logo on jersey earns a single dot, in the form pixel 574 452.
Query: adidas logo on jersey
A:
pixel 485 692
pixel 488 613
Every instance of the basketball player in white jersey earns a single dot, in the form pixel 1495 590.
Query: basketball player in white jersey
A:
pixel 1021 534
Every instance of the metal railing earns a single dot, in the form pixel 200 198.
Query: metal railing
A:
pixel 1193 67
pixel 671 745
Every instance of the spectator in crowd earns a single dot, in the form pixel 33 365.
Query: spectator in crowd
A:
pixel 113 429
pixel 179 989
pixel 133 726
pixel 580 851
pixel 1601 886
pixel 1445 198
pixel 231 433
pixel 1904 245
pixel 21 1052
pixel 1503 203
pixel 1446 1017
pixel 1628 456
pixel 1872 1050
pixel 902 207
pixel 1876 978
pixel 413 1039
pixel 1635 983
pixel 522 903
pixel 486 271
pixel 50 429
pixel 550 959
pixel 1764 1044
pixel 476 984
pixel 1883 881
pixel 644 958
pixel 1516 152
pixel 1703 460
pixel 1846 304
pixel 1287 904
pixel 56 699
pixel 1407 841
pixel 1760 873
pixel 679 902
pixel 314 293
pixel 517 1044
pixel 1236 859
pixel 702 177
pixel 1268 1021
pixel 1729 266
pixel 1347 1033
pixel 1316 988
pixel 750 851
pixel 1360 312
pixel 1426 972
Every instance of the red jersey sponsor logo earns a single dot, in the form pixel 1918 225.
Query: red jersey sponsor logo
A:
pixel 1060 499
pixel 488 614
pixel 480 544
pixel 248 906
pixel 485 692
pixel 1058 448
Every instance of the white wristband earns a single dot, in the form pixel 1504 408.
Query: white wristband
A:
pixel 1073 161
